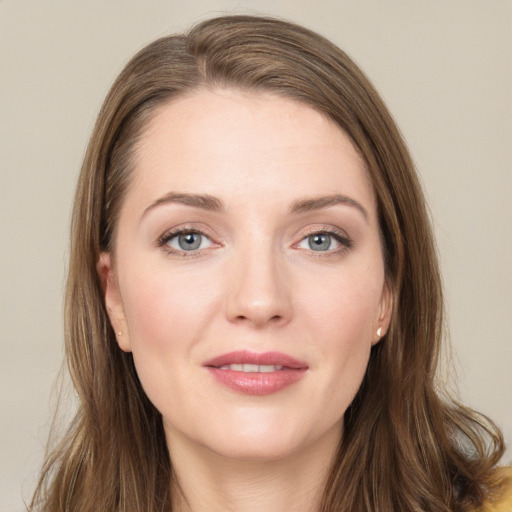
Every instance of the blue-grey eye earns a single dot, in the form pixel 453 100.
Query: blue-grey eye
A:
pixel 190 241
pixel 319 242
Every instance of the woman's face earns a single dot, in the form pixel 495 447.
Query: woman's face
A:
pixel 248 278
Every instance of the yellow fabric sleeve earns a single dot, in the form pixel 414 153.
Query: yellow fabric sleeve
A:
pixel 505 502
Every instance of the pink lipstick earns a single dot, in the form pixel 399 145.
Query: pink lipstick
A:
pixel 256 373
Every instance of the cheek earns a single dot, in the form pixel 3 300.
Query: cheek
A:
pixel 166 314
pixel 152 309
pixel 344 307
pixel 341 320
pixel 164 307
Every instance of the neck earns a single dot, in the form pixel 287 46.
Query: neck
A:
pixel 208 482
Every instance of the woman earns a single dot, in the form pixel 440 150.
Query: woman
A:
pixel 254 307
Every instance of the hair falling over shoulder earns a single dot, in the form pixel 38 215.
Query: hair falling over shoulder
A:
pixel 406 445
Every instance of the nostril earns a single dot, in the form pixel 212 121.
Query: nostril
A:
pixel 259 319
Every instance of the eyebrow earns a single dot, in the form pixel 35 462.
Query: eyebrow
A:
pixel 203 201
pixel 211 203
pixel 318 203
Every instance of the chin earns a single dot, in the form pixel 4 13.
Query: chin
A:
pixel 256 448
pixel 266 441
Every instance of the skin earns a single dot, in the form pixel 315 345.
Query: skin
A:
pixel 255 283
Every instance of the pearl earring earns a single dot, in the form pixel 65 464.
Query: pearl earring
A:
pixel 379 332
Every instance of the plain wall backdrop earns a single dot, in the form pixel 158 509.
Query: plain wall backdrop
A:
pixel 443 67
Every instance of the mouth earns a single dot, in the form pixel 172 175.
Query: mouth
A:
pixel 252 368
pixel 254 373
pixel 247 361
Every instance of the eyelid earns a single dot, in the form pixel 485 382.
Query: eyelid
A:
pixel 340 236
pixel 171 233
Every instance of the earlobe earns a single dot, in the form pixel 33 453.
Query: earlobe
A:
pixel 113 303
pixel 386 310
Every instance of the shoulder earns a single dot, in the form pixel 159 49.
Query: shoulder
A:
pixel 504 503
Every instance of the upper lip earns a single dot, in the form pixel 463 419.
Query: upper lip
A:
pixel 263 358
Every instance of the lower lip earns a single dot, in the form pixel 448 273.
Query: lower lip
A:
pixel 257 384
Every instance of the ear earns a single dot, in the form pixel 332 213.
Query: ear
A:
pixel 113 303
pixel 385 312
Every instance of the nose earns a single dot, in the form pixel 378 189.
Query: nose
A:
pixel 258 293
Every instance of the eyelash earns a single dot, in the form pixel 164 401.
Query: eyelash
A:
pixel 345 242
pixel 164 240
pixel 343 239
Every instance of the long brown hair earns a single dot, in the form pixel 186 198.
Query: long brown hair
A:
pixel 406 446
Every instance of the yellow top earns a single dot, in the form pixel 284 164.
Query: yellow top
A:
pixel 505 503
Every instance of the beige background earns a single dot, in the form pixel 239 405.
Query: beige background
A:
pixel 443 66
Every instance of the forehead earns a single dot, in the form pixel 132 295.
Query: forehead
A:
pixel 242 143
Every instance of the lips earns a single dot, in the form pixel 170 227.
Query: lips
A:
pixel 256 373
pixel 254 358
pixel 252 368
